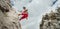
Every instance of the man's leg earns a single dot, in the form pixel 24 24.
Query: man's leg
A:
pixel 21 18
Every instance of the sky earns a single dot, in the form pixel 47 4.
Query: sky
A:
pixel 36 9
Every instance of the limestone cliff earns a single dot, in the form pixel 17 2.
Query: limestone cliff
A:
pixel 51 20
pixel 8 17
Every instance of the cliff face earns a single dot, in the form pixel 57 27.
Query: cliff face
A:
pixel 51 20
pixel 8 17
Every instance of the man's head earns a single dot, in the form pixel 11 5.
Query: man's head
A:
pixel 24 7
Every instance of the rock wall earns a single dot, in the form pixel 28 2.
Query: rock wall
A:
pixel 51 20
pixel 8 16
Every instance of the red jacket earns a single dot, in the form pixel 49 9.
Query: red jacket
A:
pixel 24 15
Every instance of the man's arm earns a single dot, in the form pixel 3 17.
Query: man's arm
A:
pixel 19 14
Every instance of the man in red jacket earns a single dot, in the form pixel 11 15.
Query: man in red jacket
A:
pixel 24 13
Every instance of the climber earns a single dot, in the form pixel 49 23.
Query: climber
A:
pixel 24 13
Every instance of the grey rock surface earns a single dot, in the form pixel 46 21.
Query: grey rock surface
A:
pixel 51 20
pixel 8 17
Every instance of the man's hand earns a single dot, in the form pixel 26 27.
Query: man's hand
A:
pixel 26 18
